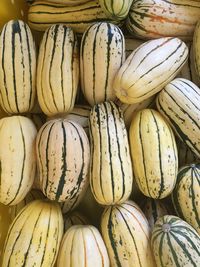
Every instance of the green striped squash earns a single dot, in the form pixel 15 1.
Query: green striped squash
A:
pixel 185 155
pixel 17 68
pixel 159 18
pixel 186 195
pixel 117 10
pixel 188 71
pixel 74 218
pixel 131 44
pixel 18 159
pixel 149 68
pixel 110 166
pixel 154 209
pixel 126 233
pixel 82 245
pixel 31 196
pixel 102 54
pixel 154 154
pixel 196 44
pixel 130 110
pixel 43 14
pixel 175 243
pixel 58 70
pixel 34 236
pixel 179 102
pixel 63 155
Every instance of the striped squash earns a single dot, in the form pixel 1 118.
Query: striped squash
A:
pixel 79 114
pixel 175 243
pixel 43 14
pixel 17 68
pixel 186 195
pixel 63 155
pixel 5 221
pixel 75 218
pixel 188 71
pixel 58 70
pixel 31 196
pixel 179 102
pixel 102 54
pixel 34 236
pixel 117 10
pixel 196 44
pixel 82 245
pixel 130 110
pixel 154 154
pixel 110 166
pixel 153 210
pixel 185 155
pixel 159 18
pixel 131 44
pixel 149 68
pixel 126 233
pixel 18 159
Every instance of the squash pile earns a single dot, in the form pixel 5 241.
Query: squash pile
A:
pixel 100 133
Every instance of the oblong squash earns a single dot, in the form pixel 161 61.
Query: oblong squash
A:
pixel 196 45
pixel 102 54
pixel 43 14
pixel 82 245
pixel 110 167
pixel 126 233
pixel 175 243
pixel 63 155
pixel 159 18
pixel 154 154
pixel 149 68
pixel 17 68
pixel 117 10
pixel 17 157
pixel 58 70
pixel 34 236
pixel 179 102
pixel 186 195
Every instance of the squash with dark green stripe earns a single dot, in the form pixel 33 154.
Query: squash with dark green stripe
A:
pixel 186 195
pixel 179 102
pixel 58 70
pixel 185 155
pixel 154 154
pixel 17 158
pixel 63 155
pixel 110 166
pixel 34 236
pixel 175 243
pixel 83 246
pixel 17 68
pixel 126 233
pixel 74 218
pixel 102 54
pixel 196 44
pixel 154 19
pixel 117 10
pixel 43 14
pixel 149 68
pixel 31 196
pixel 154 209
